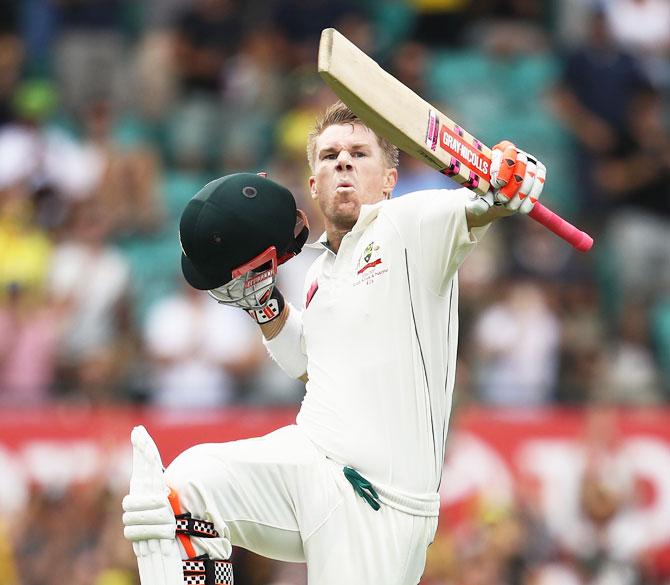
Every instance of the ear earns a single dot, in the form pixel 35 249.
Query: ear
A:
pixel 312 187
pixel 390 180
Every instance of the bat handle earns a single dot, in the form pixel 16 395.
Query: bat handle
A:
pixel 563 229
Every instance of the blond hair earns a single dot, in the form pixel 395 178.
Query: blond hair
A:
pixel 340 113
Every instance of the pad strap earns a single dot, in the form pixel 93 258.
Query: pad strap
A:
pixel 186 524
pixel 205 571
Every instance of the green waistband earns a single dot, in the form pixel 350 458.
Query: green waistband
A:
pixel 362 487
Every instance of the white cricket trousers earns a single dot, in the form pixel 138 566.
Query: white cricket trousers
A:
pixel 280 497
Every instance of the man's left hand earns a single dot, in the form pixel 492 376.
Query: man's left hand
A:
pixel 517 177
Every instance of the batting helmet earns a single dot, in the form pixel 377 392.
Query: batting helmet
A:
pixel 235 227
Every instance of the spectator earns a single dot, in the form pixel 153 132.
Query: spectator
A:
pixel 25 250
pixel 28 336
pixel 619 121
pixel 27 324
pixel 603 546
pixel 638 229
pixel 516 342
pixel 643 27
pixel 595 102
pixel 302 21
pixel 255 94
pixel 127 191
pixel 198 351
pixel 89 52
pixel 583 342
pixel 631 374
pixel 206 33
pixel 49 164
pixel 89 286
pixel 640 25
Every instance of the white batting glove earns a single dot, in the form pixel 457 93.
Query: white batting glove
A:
pixel 148 518
pixel 147 510
pixel 516 177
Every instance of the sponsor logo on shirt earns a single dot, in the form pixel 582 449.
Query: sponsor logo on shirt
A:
pixel 369 258
pixel 369 265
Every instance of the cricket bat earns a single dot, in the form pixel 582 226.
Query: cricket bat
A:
pixel 398 114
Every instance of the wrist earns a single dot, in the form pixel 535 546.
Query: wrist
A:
pixel 272 328
pixel 272 310
pixel 480 219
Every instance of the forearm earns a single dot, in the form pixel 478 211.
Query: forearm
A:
pixel 284 342
pixel 494 212
pixel 272 329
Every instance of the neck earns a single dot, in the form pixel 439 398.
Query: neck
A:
pixel 335 236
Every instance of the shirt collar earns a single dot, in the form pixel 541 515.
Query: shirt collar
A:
pixel 367 214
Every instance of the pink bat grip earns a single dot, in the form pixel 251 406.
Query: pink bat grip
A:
pixel 563 229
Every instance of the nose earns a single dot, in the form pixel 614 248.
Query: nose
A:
pixel 344 161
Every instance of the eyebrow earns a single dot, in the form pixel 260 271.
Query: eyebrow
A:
pixel 355 146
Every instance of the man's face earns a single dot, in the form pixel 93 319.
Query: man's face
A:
pixel 349 171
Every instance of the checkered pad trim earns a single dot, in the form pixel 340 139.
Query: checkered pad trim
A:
pixel 195 527
pixel 197 572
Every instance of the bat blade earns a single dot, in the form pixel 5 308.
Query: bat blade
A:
pixel 395 112
pixel 387 106
pixel 398 114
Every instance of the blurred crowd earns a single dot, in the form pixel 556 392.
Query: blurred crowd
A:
pixel 113 113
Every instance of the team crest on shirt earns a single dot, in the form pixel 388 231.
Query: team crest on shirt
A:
pixel 370 264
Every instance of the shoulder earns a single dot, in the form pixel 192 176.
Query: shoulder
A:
pixel 427 200
pixel 409 198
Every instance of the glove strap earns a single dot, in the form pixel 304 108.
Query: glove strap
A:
pixel 271 310
pixel 205 571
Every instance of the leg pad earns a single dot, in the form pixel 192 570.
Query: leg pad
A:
pixel 204 571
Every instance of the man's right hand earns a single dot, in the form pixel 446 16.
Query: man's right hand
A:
pixel 271 311
pixel 256 293
pixel 516 177
pixel 267 308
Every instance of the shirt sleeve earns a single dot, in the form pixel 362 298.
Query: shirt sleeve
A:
pixel 287 348
pixel 434 229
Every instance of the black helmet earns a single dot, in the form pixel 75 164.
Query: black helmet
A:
pixel 231 222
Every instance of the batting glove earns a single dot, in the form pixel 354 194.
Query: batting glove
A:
pixel 516 177
pixel 262 300
pixel 275 305
pixel 147 511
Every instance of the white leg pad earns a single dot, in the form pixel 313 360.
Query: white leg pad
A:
pixel 159 562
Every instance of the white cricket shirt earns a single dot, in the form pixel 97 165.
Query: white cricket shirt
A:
pixel 380 333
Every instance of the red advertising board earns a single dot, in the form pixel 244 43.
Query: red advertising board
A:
pixel 493 455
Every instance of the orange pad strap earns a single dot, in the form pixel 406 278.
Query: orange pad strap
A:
pixel 184 539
